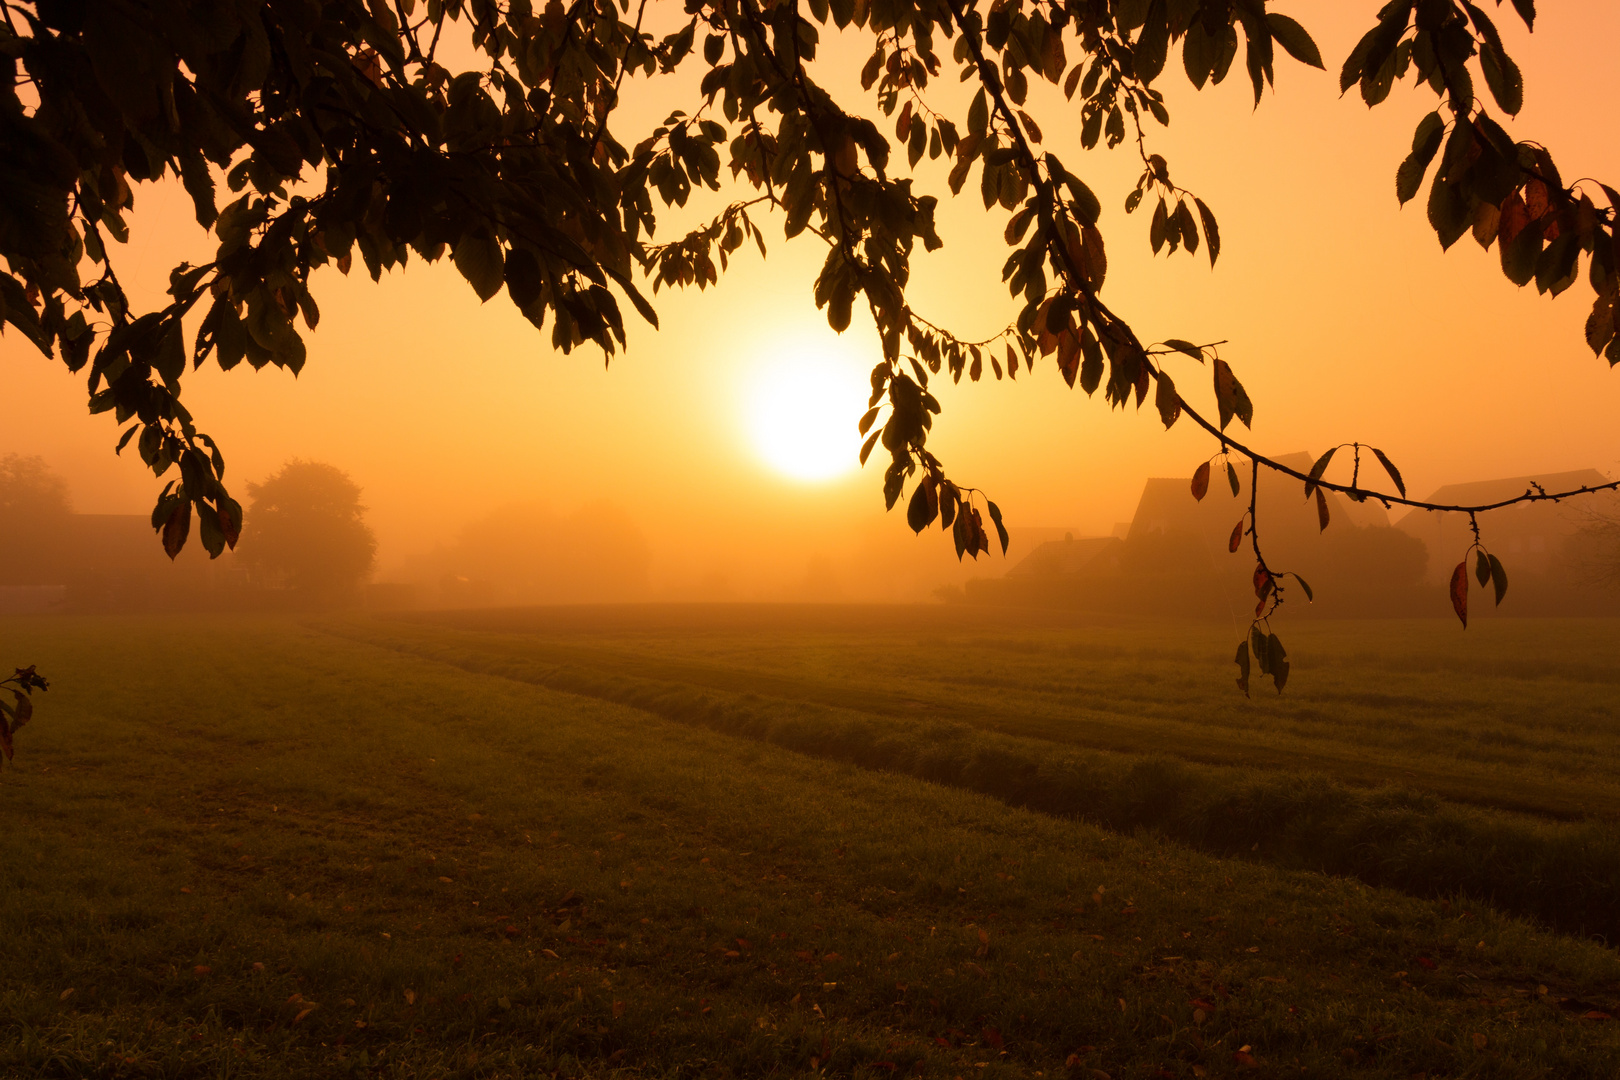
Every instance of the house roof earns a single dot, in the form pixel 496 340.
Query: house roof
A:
pixel 1476 492
pixel 1066 557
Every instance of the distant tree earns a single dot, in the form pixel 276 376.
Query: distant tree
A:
pixel 34 508
pixel 342 132
pixel 308 531
pixel 1595 546
pixel 34 511
pixel 29 489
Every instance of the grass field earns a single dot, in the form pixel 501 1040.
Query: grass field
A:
pixel 260 848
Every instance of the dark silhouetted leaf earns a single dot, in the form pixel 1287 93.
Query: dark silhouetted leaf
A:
pixel 921 510
pixel 1168 404
pixel 1482 568
pixel 1001 530
pixel 1389 467
pixel 1459 592
pixel 1278 666
pixel 1310 595
pixel 1321 510
pixel 1230 397
pixel 1292 36
pixel 1503 78
pixel 176 528
pixel 1232 479
pixel 1200 481
pixel 1236 540
pixel 1317 470
pixel 1498 577
pixel 1242 661
pixel 1212 232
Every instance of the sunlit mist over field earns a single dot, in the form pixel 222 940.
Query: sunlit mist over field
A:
pixel 862 538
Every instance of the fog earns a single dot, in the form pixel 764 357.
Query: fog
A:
pixel 495 471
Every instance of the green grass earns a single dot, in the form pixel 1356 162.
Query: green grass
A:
pixel 210 817
pixel 1567 875
pixel 1516 714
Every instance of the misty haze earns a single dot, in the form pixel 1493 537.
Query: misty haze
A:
pixel 1065 539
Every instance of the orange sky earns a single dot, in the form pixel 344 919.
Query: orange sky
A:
pixel 1344 318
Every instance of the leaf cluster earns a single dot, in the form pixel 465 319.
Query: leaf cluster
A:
pixel 20 709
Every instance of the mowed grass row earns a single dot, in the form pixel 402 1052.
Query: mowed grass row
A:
pixel 246 849
pixel 1567 875
pixel 1513 714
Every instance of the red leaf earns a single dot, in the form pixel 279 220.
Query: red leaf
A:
pixel 993 1037
pixel 176 528
pixel 1237 538
pixel 1459 592
pixel 1425 962
pixel 1515 216
pixel 1263 583
pixel 1200 482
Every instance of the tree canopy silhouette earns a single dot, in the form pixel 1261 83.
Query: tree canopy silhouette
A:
pixel 339 131
pixel 308 532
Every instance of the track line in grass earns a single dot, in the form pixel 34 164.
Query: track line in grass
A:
pixel 887 922
pixel 1469 783
pixel 1566 875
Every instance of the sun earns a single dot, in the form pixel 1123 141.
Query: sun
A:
pixel 802 408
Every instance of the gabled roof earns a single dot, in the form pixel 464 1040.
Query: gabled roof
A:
pixel 1476 492
pixel 1066 557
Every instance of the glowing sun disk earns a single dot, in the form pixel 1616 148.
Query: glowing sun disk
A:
pixel 802 413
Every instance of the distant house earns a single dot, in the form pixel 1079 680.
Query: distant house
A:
pixel 104 562
pixel 1528 538
pixel 1175 556
pixel 1068 557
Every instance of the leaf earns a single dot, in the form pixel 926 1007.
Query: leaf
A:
pixel 866 448
pixel 480 262
pixel 1169 406
pixel 1001 530
pixel 1189 231
pixel 1409 178
pixel 1186 347
pixel 1292 37
pixel 1482 568
pixel 176 528
pixel 1200 482
pixel 922 510
pixel 1263 581
pixel 1230 397
pixel 1236 540
pixel 1459 592
pixel 1279 665
pixel 1317 470
pixel 1242 661
pixel 1321 510
pixel 1503 77
pixel 1310 595
pixel 1212 232
pixel 1599 324
pixel 1258 650
pixel 1498 578
pixel 1389 467
pixel 1232 478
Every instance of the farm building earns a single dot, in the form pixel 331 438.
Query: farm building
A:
pixel 1174 557
pixel 1531 536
